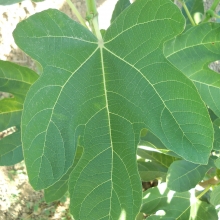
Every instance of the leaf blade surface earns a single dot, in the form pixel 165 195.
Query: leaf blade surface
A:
pixel 105 93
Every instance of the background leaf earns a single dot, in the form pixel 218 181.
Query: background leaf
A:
pixel 149 171
pixel 217 163
pixel 215 196
pixel 161 198
pixel 203 210
pixel 155 166
pixel 183 175
pixel 120 6
pixel 191 53
pixel 106 92
pixel 15 80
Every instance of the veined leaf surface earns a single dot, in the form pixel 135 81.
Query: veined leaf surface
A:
pixel 106 91
pixel 191 53
pixel 183 175
pixel 15 80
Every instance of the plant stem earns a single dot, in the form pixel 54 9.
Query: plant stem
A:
pixel 76 12
pixel 210 12
pixel 203 192
pixel 92 17
pixel 215 4
pixel 187 12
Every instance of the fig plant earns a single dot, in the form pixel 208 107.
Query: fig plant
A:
pixel 136 103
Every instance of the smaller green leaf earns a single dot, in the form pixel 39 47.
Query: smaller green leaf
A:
pixel 215 196
pixel 183 175
pixel 202 210
pixel 11 150
pixel 15 80
pixel 216 126
pixel 161 198
pixel 57 190
pixel 120 6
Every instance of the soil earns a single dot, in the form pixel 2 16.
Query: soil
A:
pixel 18 201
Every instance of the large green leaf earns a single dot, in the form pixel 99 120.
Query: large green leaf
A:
pixel 106 91
pixel 120 6
pixel 183 175
pixel 191 53
pixel 16 80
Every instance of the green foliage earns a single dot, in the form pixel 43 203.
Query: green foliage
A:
pixel 183 175
pixel 11 2
pixel 215 196
pixel 120 6
pixel 15 80
pixel 185 53
pixel 136 102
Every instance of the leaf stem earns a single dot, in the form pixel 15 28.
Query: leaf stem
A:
pixel 214 5
pixel 92 18
pixel 187 12
pixel 76 12
pixel 211 12
pixel 203 192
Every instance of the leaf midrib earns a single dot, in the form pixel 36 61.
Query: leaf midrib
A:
pixel 153 89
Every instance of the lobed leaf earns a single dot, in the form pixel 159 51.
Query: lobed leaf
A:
pixel 15 80
pixel 191 53
pixel 106 91
pixel 183 175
